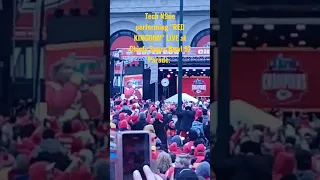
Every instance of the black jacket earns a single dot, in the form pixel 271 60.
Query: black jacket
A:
pixel 185 119
pixel 139 125
pixel 159 127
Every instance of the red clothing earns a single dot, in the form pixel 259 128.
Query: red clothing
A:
pixel 70 142
pixel 170 172
pixel 26 146
pixel 187 148
pixel 284 165
pixel 154 155
pixel 175 149
pixel 61 97
pixel 128 92
pixel 171 132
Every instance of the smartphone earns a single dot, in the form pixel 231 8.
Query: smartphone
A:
pixel 134 152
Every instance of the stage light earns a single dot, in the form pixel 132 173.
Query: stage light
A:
pixel 168 76
pixel 171 72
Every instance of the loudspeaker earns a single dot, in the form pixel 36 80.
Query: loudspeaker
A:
pixel 146 84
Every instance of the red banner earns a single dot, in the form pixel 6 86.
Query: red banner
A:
pixel 24 23
pixel 197 86
pixel 67 62
pixel 276 79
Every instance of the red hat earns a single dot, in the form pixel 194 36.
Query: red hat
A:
pixel 200 149
pixel 122 116
pixel 123 125
pixel 198 113
pixel 174 148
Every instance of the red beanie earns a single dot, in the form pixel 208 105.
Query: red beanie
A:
pixel 123 124
pixel 122 116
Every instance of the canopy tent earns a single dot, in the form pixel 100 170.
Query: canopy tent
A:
pixel 185 98
pixel 246 113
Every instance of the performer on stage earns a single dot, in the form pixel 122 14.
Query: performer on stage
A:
pixel 131 92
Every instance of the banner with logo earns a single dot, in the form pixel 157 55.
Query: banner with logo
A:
pixel 65 63
pixel 276 79
pixel 197 86
pixel 24 23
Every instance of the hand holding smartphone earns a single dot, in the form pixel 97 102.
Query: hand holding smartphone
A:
pixel 134 152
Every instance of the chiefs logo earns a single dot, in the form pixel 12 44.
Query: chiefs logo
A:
pixel 199 87
pixel 283 80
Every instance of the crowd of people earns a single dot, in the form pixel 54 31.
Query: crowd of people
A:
pixel 180 138
pixel 289 152
pixel 50 149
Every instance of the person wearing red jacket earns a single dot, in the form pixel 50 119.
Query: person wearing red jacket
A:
pixel 68 94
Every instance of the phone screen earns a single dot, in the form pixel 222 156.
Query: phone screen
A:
pixel 136 154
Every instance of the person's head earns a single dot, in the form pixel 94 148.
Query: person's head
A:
pixel 142 116
pixel 192 135
pixel 154 113
pixel 48 134
pixel 125 103
pixel 182 161
pixel 197 142
pixel 64 69
pixel 203 170
pixel 163 162
pixel 205 112
pixel 186 174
